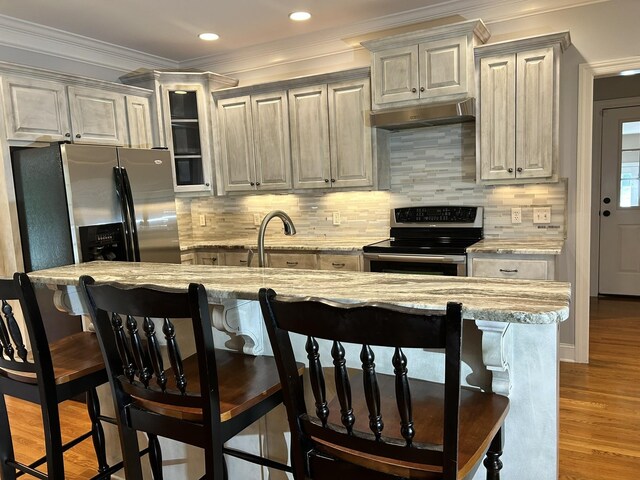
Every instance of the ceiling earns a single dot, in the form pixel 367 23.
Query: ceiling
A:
pixel 169 29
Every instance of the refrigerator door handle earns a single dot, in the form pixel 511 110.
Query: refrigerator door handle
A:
pixel 121 194
pixel 132 214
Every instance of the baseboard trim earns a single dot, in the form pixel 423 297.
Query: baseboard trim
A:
pixel 567 352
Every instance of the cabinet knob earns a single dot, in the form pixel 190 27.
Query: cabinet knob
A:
pixel 510 170
pixel 326 180
pixel 413 90
pixel 333 180
pixel 257 184
pixel 67 134
pixel 251 183
pixel 422 89
pixel 78 135
pixel 519 169
pixel 206 184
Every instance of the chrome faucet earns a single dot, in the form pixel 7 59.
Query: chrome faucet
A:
pixel 289 229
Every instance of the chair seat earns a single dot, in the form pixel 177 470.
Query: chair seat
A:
pixel 481 415
pixel 244 381
pixel 73 357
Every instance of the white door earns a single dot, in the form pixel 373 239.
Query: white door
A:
pixel 620 202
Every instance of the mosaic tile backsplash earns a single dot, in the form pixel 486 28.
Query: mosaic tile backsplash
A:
pixel 429 166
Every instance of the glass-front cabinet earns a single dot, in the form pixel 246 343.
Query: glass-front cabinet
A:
pixel 183 112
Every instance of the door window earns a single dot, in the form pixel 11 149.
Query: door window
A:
pixel 630 165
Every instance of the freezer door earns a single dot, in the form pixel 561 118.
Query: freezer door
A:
pixel 90 187
pixel 151 180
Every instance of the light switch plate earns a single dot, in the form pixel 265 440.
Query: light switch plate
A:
pixel 336 218
pixel 542 215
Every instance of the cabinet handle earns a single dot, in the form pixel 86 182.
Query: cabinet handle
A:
pixel 78 135
pixel 509 270
pixel 519 169
pixel 293 264
pixel 338 265
pixel 510 170
pixel 413 90
pixel 326 180
pixel 243 261
pixel 422 89
pixel 67 134
pixel 333 180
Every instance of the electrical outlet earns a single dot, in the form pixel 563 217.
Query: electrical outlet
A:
pixel 516 215
pixel 256 219
pixel 542 215
pixel 203 220
pixel 336 218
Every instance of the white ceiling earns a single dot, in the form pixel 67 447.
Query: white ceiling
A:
pixel 169 28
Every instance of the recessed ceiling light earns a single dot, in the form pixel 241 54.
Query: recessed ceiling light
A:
pixel 208 36
pixel 627 73
pixel 299 16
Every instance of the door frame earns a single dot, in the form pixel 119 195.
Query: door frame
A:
pixel 598 110
pixel 586 74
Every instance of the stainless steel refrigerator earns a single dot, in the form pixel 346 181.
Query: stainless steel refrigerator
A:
pixel 78 203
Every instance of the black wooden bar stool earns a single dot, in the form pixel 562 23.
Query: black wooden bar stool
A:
pixel 204 399
pixel 47 375
pixel 381 427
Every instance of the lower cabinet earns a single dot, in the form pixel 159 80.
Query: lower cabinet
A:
pixel 352 263
pixel 526 267
pixel 292 260
pixel 237 258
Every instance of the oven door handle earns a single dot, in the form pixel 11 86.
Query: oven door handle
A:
pixel 416 258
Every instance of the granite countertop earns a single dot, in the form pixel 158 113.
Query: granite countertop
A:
pixel 517 301
pixel 529 246
pixel 283 242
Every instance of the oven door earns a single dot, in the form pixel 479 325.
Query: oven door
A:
pixel 448 265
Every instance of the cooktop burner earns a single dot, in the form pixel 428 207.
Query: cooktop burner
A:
pixel 431 230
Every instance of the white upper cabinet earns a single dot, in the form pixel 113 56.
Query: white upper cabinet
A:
pixel 97 116
pixel 254 142
pixel 330 138
pixel 43 106
pixel 517 119
pixel 426 66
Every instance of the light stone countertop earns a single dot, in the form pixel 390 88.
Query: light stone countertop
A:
pixel 528 246
pixel 284 242
pixel 517 301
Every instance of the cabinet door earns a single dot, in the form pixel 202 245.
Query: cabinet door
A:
pixel 310 137
pixel 534 120
pixel 395 74
pixel 443 68
pixel 207 258
pixel 496 135
pixel 237 259
pixel 186 123
pixel 236 144
pixel 97 116
pixel 271 145
pixel 35 110
pixel 349 134
pixel 139 122
pixel 188 258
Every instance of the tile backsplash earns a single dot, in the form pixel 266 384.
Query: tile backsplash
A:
pixel 429 166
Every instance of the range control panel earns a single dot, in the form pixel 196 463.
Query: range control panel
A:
pixel 436 215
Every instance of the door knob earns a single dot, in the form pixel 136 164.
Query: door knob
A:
pixel 606 213
pixel 606 200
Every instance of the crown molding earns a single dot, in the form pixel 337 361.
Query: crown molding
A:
pixel 57 43
pixel 339 41
pixel 49 41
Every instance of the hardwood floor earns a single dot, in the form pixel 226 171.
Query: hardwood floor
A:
pixel 599 406
pixel 600 402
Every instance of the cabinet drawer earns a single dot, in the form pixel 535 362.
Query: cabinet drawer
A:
pixel 506 268
pixel 287 260
pixel 236 259
pixel 340 262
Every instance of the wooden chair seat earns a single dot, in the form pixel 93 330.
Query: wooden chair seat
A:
pixel 243 382
pixel 72 357
pixel 481 415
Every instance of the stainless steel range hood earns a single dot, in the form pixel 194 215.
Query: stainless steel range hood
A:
pixel 424 115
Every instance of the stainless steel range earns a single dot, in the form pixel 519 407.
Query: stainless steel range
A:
pixel 427 240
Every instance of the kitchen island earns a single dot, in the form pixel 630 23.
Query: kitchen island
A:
pixel 510 338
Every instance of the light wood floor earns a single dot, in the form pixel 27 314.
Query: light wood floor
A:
pixel 599 406
pixel 600 402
